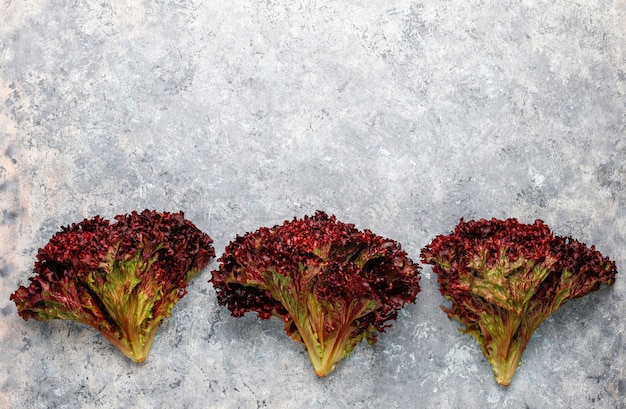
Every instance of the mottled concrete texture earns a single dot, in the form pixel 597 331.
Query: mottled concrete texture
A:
pixel 398 116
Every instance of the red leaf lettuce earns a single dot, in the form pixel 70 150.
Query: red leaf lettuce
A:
pixel 330 283
pixel 122 279
pixel 504 278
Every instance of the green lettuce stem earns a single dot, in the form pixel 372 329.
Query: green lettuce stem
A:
pixel 326 354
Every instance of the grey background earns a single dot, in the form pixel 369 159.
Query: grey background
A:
pixel 397 116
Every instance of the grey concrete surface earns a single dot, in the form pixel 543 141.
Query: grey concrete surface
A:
pixel 398 116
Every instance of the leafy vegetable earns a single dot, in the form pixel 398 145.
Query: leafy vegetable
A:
pixel 332 284
pixel 504 278
pixel 122 279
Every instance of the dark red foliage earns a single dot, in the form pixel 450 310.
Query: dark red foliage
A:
pixel 504 278
pixel 341 268
pixel 152 255
pixel 82 247
pixel 347 264
pixel 534 242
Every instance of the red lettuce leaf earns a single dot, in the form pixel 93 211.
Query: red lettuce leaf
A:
pixel 504 278
pixel 331 284
pixel 122 279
